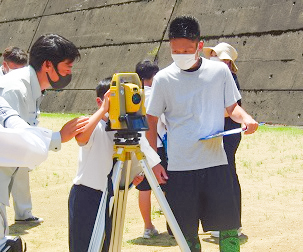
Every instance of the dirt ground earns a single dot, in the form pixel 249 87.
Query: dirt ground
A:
pixel 270 170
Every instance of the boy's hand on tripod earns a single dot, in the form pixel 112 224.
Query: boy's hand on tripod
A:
pixel 160 174
pixel 138 179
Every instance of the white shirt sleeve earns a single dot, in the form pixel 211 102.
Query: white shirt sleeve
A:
pixel 10 119
pixel 152 157
pixel 55 144
pixel 27 147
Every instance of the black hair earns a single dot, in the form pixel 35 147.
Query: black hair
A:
pixel 103 87
pixel 146 69
pixel 184 27
pixel 54 48
pixel 15 55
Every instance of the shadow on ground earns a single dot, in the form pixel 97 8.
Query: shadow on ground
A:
pixel 243 239
pixel 161 240
pixel 21 228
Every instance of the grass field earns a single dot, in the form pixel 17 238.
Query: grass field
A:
pixel 270 169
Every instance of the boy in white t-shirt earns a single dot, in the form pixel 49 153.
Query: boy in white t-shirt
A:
pixel 95 163
pixel 192 93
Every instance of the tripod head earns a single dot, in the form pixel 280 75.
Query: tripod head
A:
pixel 127 137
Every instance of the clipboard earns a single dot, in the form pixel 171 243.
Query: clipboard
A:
pixel 226 133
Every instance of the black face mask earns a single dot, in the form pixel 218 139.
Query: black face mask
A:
pixel 62 82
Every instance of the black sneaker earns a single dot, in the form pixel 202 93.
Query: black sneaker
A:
pixel 14 245
pixel 32 219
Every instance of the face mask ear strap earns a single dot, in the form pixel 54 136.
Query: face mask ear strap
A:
pixel 56 68
pixel 9 69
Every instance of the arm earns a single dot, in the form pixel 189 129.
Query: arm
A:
pixel 9 118
pixel 151 136
pixel 7 112
pixel 239 115
pixel 24 147
pixel 67 132
pixel 84 136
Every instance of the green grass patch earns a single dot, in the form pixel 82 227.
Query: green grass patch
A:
pixel 281 129
pixel 67 116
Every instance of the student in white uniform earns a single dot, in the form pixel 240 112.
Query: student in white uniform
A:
pixel 95 163
pixel 50 65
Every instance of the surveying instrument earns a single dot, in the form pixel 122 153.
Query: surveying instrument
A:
pixel 127 116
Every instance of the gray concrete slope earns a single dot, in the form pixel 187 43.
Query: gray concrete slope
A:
pixel 113 35
pixel 98 63
pixel 113 25
pixel 228 18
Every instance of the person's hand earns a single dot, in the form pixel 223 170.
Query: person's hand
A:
pixel 250 125
pixel 160 174
pixel 105 103
pixel 72 128
pixel 138 179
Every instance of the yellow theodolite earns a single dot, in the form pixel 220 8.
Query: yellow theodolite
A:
pixel 127 111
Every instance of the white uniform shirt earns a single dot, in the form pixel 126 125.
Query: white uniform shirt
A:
pixel 21 145
pixel 21 89
pixel 193 109
pixel 25 147
pixel 96 158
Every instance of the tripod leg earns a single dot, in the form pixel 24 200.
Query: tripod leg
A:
pixel 98 235
pixel 163 204
pixel 97 238
pixel 120 209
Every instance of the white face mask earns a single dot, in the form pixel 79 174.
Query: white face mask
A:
pixel 184 61
pixel 215 59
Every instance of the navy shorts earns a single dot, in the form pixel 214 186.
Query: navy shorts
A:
pixel 204 195
pixel 144 185
pixel 83 205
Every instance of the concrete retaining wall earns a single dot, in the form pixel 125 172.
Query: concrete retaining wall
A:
pixel 114 35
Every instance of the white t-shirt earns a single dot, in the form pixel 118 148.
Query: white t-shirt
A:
pixel 96 158
pixel 193 109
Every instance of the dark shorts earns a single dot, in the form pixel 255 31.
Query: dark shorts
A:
pixel 204 195
pixel 144 185
pixel 83 204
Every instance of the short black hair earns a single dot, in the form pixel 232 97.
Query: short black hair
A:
pixel 54 48
pixel 15 55
pixel 103 87
pixel 146 69
pixel 184 27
